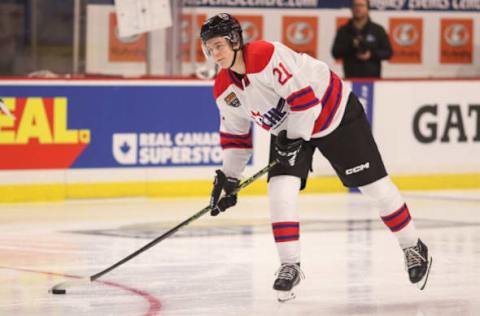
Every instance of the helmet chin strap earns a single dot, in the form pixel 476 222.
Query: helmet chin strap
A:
pixel 234 57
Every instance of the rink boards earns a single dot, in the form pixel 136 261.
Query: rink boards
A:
pixel 94 138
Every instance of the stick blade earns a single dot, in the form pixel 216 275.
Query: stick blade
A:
pixel 61 288
pixel 58 291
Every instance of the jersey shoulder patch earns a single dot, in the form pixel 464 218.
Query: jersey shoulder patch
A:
pixel 222 82
pixel 257 55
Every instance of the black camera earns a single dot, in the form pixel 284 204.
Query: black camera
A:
pixel 360 44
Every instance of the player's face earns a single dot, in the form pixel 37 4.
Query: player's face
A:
pixel 359 9
pixel 220 50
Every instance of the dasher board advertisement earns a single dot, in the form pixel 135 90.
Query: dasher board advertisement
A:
pixel 427 126
pixel 61 126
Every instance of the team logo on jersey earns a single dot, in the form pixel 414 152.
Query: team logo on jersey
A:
pixel 232 100
pixel 270 119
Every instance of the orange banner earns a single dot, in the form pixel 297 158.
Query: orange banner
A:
pixel 125 49
pixel 300 33
pixel 252 26
pixel 187 28
pixel 406 36
pixel 456 41
pixel 340 21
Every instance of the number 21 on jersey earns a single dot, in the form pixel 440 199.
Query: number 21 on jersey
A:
pixel 282 74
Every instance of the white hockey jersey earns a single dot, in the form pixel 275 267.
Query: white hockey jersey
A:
pixel 281 89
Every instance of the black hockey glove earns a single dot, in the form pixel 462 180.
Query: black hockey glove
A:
pixel 223 183
pixel 287 150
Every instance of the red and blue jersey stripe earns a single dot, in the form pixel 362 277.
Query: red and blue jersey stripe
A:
pixel 302 100
pixel 330 103
pixel 236 141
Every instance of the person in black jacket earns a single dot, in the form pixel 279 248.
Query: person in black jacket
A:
pixel 361 44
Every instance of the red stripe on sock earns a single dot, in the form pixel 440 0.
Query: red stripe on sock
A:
pixel 286 231
pixel 398 219
pixel 293 238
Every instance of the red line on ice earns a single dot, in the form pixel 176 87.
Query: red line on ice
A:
pixel 154 303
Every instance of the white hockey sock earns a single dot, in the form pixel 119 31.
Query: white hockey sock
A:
pixel 393 210
pixel 283 193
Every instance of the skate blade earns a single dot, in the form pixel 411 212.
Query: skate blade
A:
pixel 423 282
pixel 285 296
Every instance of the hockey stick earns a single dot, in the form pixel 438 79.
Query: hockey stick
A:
pixel 60 288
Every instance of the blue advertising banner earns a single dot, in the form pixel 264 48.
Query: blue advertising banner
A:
pixel 415 5
pixel 82 126
pixel 422 5
pixel 277 4
pixel 364 91
pixel 399 5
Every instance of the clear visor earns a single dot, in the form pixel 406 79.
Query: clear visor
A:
pixel 206 51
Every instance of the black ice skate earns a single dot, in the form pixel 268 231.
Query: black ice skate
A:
pixel 418 263
pixel 288 276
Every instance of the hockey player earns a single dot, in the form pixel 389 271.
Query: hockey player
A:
pixel 305 106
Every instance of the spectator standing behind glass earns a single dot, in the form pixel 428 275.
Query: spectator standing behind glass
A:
pixel 361 44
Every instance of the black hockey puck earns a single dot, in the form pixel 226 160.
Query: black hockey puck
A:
pixel 59 291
